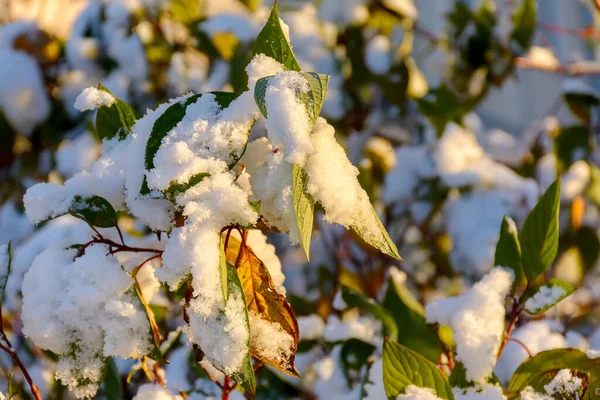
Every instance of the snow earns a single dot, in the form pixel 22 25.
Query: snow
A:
pixel 412 392
pixel 374 386
pixel 378 55
pixel 270 340
pixel 351 327
pixel 544 297
pixel 153 391
pixel 405 7
pixel 311 327
pixel 575 180
pixel 23 98
pixel 288 123
pixel 332 179
pixel 243 28
pixel 84 304
pixel 413 165
pixel 530 394
pixel 543 57
pixel 344 12
pixel 77 154
pixel 93 98
pixel 564 383
pixel 477 321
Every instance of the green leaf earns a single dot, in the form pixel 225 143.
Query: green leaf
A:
pixel 112 381
pixel 252 4
pixel 410 315
pixel 561 289
pixel 5 264
pixel 271 41
pixel 370 229
pixel 176 188
pixel 524 23
pixel 245 376
pixel 508 249
pixel 539 237
pixel 355 299
pixel 403 367
pixel 535 371
pixel 255 205
pixel 223 269
pixel 94 210
pixel 581 104
pixel 304 207
pixel 312 100
pixel 118 118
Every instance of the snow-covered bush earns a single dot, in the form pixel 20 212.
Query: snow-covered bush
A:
pixel 221 196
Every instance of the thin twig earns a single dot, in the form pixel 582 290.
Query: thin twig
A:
pixel 522 345
pixel 34 389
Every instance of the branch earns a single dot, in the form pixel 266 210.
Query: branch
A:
pixel 574 69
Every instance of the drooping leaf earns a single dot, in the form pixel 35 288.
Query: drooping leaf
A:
pixel 271 41
pixel 539 237
pixel 508 249
pixel 524 23
pixel 355 299
pixel 552 293
pixel 5 264
pixel 245 375
pixel 112 381
pixel 304 207
pixel 370 229
pixel 176 188
pixel 94 210
pixel 535 371
pixel 118 118
pixel 581 104
pixel 153 336
pixel 403 367
pixel 265 306
pixel 410 315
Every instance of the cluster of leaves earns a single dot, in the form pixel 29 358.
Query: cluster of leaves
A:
pixel 481 59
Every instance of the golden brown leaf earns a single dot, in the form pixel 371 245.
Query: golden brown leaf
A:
pixel 272 320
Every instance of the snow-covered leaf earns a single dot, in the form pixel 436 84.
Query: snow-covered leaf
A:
pixel 245 375
pixel 271 41
pixel 508 249
pixel 372 231
pixel 274 329
pixel 535 371
pixel 354 299
pixel 316 95
pixel 118 118
pixel 403 367
pixel 539 236
pixel 410 315
pixel 304 207
pixel 313 99
pixel 176 188
pixel 524 21
pixel 112 381
pixel 94 210
pixel 5 262
pixel 547 296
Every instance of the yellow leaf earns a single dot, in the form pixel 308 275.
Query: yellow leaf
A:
pixel 273 327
